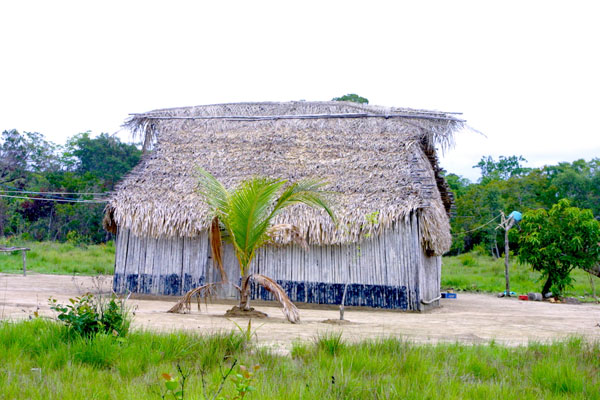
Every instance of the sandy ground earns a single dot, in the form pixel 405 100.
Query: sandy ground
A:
pixel 471 318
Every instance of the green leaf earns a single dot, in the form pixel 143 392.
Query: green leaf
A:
pixel 171 385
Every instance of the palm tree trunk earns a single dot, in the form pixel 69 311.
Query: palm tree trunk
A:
pixel 245 293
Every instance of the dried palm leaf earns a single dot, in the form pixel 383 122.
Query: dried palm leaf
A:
pixel 287 233
pixel 289 309
pixel 216 248
pixel 184 305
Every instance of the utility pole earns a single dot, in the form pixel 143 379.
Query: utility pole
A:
pixel 506 224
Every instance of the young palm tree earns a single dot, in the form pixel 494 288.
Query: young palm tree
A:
pixel 245 214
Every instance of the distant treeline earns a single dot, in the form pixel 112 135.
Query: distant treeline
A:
pixel 52 192
pixel 506 185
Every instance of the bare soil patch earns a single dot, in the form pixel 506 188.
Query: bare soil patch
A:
pixel 471 318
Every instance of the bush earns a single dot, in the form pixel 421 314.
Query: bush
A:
pixel 75 239
pixel 467 260
pixel 87 315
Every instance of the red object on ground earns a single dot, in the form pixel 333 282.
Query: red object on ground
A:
pixel 523 297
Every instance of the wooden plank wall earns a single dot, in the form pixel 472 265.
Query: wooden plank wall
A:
pixel 170 266
pixel 389 271
pixel 377 268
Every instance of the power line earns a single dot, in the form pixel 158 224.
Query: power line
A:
pixel 479 227
pixel 82 193
pixel 58 200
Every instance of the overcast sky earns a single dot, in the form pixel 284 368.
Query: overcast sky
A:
pixel 525 73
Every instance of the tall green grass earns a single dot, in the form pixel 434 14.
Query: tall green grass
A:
pixel 60 258
pixel 476 272
pixel 40 360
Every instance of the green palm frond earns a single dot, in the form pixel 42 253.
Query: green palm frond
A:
pixel 309 192
pixel 213 192
pixel 248 218
pixel 247 212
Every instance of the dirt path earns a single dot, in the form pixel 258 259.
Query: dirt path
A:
pixel 472 318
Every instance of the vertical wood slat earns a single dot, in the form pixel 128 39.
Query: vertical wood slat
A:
pixel 395 259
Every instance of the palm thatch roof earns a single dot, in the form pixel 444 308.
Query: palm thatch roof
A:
pixel 376 159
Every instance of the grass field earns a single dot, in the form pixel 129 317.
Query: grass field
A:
pixel 42 361
pixel 475 272
pixel 472 272
pixel 60 258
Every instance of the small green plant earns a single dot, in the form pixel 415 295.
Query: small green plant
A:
pixel 174 388
pixel 87 315
pixel 243 381
pixel 247 334
pixel 371 219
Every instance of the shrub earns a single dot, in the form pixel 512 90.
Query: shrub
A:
pixel 87 315
pixel 468 260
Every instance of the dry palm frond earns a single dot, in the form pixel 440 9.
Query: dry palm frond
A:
pixel 289 309
pixel 184 304
pixel 216 247
pixel 287 233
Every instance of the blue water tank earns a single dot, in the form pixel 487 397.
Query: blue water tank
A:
pixel 517 216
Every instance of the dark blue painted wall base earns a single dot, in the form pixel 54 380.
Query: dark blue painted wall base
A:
pixel 380 296
pixel 166 284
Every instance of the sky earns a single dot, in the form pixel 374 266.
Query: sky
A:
pixel 526 74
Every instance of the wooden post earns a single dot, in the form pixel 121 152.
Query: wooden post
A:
pixel 343 301
pixel 506 224
pixel 506 273
pixel 24 254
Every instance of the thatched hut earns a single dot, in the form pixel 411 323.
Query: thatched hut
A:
pixel 392 203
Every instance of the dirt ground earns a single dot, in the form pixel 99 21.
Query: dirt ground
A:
pixel 471 318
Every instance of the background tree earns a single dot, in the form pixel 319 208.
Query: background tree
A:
pixel 41 184
pixel 557 241
pixel 503 169
pixel 104 156
pixel 352 97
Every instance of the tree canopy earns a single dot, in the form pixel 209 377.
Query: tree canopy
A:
pixel 557 241
pixel 41 182
pixel 352 97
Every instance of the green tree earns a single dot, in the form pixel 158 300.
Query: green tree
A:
pixel 578 181
pixel 352 97
pixel 457 184
pixel 246 214
pixel 104 156
pixel 25 152
pixel 503 169
pixel 557 241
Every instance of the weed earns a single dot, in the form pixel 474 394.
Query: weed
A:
pixel 243 381
pixel 87 315
pixel 247 334
pixel 331 343
pixel 174 387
